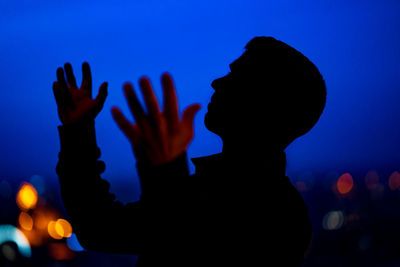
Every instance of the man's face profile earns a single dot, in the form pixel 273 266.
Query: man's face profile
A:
pixel 226 100
pixel 234 104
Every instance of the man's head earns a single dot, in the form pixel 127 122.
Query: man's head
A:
pixel 273 94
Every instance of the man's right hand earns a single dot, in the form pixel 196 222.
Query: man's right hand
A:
pixel 76 104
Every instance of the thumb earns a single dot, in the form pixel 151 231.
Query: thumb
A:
pixel 101 97
pixel 188 115
pixel 99 100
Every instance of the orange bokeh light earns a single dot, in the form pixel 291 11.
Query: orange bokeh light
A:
pixel 53 231
pixel 27 197
pixel 25 221
pixel 394 181
pixel 59 229
pixel 63 228
pixel 345 183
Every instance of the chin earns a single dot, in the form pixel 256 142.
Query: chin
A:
pixel 211 123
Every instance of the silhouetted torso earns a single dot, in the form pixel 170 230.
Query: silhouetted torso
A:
pixel 228 212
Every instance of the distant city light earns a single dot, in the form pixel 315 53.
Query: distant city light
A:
pixel 27 197
pixel 333 220
pixel 25 221
pixel 394 181
pixel 53 232
pixel 59 229
pixel 9 233
pixel 345 183
pixel 9 252
pixel 63 228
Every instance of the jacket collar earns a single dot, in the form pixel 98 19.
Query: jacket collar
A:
pixel 273 163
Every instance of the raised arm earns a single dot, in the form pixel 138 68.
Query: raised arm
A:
pixel 100 222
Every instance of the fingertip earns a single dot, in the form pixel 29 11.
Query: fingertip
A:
pixel 144 81
pixel 67 65
pixel 85 66
pixel 114 110
pixel 196 107
pixel 166 75
pixel 127 88
pixel 126 84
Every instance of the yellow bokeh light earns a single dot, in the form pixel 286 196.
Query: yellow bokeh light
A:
pixel 52 230
pixel 63 228
pixel 27 197
pixel 25 221
pixel 59 229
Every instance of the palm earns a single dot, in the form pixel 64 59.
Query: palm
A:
pixel 158 136
pixel 76 104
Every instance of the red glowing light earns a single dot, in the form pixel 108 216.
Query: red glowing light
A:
pixel 394 181
pixel 345 183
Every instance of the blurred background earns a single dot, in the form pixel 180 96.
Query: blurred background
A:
pixel 347 167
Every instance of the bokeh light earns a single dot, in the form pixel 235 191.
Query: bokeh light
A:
pixel 9 252
pixel 53 232
pixel 25 221
pixel 42 218
pixel 63 228
pixel 333 220
pixel 394 181
pixel 11 233
pixel 345 183
pixel 27 197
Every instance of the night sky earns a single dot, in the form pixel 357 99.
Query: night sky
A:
pixel 355 45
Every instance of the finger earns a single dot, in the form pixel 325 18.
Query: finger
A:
pixel 122 123
pixel 188 116
pixel 61 78
pixel 170 102
pixel 58 94
pixel 70 75
pixel 133 103
pixel 150 98
pixel 86 78
pixel 101 97
pixel 62 88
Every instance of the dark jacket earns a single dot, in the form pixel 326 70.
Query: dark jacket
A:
pixel 243 212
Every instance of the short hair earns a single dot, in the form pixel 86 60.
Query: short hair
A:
pixel 297 79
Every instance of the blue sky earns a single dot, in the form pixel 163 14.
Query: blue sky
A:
pixel 355 45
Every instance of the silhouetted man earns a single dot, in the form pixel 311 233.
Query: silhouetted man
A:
pixel 239 207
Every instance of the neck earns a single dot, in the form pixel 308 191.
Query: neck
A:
pixel 249 151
